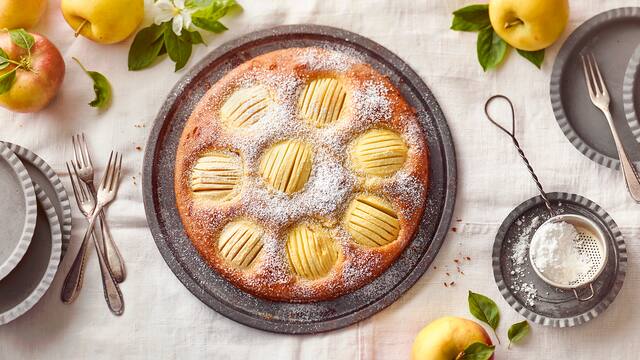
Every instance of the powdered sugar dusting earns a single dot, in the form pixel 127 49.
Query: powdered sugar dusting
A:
pixel 331 184
pixel 314 59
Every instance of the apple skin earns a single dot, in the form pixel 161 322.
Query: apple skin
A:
pixel 445 338
pixel 16 14
pixel 108 21
pixel 541 22
pixel 33 90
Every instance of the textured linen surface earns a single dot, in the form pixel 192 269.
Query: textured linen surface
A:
pixel 163 320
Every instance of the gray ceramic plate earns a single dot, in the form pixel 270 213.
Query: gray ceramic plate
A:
pixel 552 306
pixel 629 90
pixel 18 210
pixel 28 282
pixel 178 251
pixel 611 36
pixel 43 175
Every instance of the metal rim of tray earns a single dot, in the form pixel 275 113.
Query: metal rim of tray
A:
pixel 192 272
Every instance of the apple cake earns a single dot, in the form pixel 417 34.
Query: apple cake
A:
pixel 301 175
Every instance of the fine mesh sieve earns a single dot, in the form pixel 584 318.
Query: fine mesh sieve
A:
pixel 591 239
pixel 591 244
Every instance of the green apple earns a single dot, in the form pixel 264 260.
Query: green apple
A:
pixel 37 79
pixel 529 25
pixel 446 337
pixel 103 21
pixel 21 13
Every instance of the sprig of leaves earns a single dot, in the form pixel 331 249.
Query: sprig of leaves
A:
pixel 485 310
pixel 518 331
pixel 156 40
pixel 24 40
pixel 101 87
pixel 477 351
pixel 490 48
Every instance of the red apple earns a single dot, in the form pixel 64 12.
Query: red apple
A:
pixel 446 337
pixel 39 78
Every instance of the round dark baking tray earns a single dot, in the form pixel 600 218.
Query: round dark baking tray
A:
pixel 282 317
pixel 611 36
pixel 552 306
pixel 629 90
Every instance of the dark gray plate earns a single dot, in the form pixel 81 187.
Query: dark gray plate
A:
pixel 222 296
pixel 629 90
pixel 553 306
pixel 611 36
pixel 29 281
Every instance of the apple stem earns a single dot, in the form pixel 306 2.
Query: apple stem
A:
pixel 513 23
pixel 496 334
pixel 77 32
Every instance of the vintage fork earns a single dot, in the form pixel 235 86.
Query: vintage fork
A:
pixel 106 193
pixel 85 173
pixel 73 281
pixel 600 98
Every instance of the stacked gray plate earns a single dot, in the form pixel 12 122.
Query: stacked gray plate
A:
pixel 35 216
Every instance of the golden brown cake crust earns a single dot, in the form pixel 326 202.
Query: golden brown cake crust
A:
pixel 372 102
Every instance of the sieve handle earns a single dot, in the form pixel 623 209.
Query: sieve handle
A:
pixel 593 293
pixel 512 135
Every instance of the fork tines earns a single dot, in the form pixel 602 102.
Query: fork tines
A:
pixel 593 77
pixel 79 190
pixel 112 175
pixel 81 151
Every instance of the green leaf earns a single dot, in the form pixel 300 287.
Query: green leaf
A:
pixel 214 26
pixel 101 87
pixel 192 37
pixel 536 57
pixel 22 38
pixel 179 51
pixel 518 331
pixel 491 49
pixel 484 309
pixel 146 47
pixel 477 351
pixel 6 80
pixel 4 59
pixel 207 16
pixel 471 18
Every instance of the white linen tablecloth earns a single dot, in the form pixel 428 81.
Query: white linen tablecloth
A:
pixel 163 320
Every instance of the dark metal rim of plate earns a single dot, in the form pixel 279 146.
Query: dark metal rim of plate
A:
pixel 629 89
pixel 175 247
pixel 556 79
pixel 616 238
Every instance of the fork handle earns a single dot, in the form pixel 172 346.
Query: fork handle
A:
pixel 629 171
pixel 112 293
pixel 113 256
pixel 74 279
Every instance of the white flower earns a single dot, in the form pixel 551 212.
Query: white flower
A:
pixel 173 9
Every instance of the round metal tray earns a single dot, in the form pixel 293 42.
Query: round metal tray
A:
pixel 553 306
pixel 205 283
pixel 43 175
pixel 629 89
pixel 611 36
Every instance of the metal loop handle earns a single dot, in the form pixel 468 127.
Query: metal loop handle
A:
pixel 593 293
pixel 512 135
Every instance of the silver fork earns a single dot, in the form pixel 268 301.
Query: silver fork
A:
pixel 600 98
pixel 73 281
pixel 85 173
pixel 106 193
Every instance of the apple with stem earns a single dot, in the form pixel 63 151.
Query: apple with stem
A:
pixel 31 71
pixel 447 338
